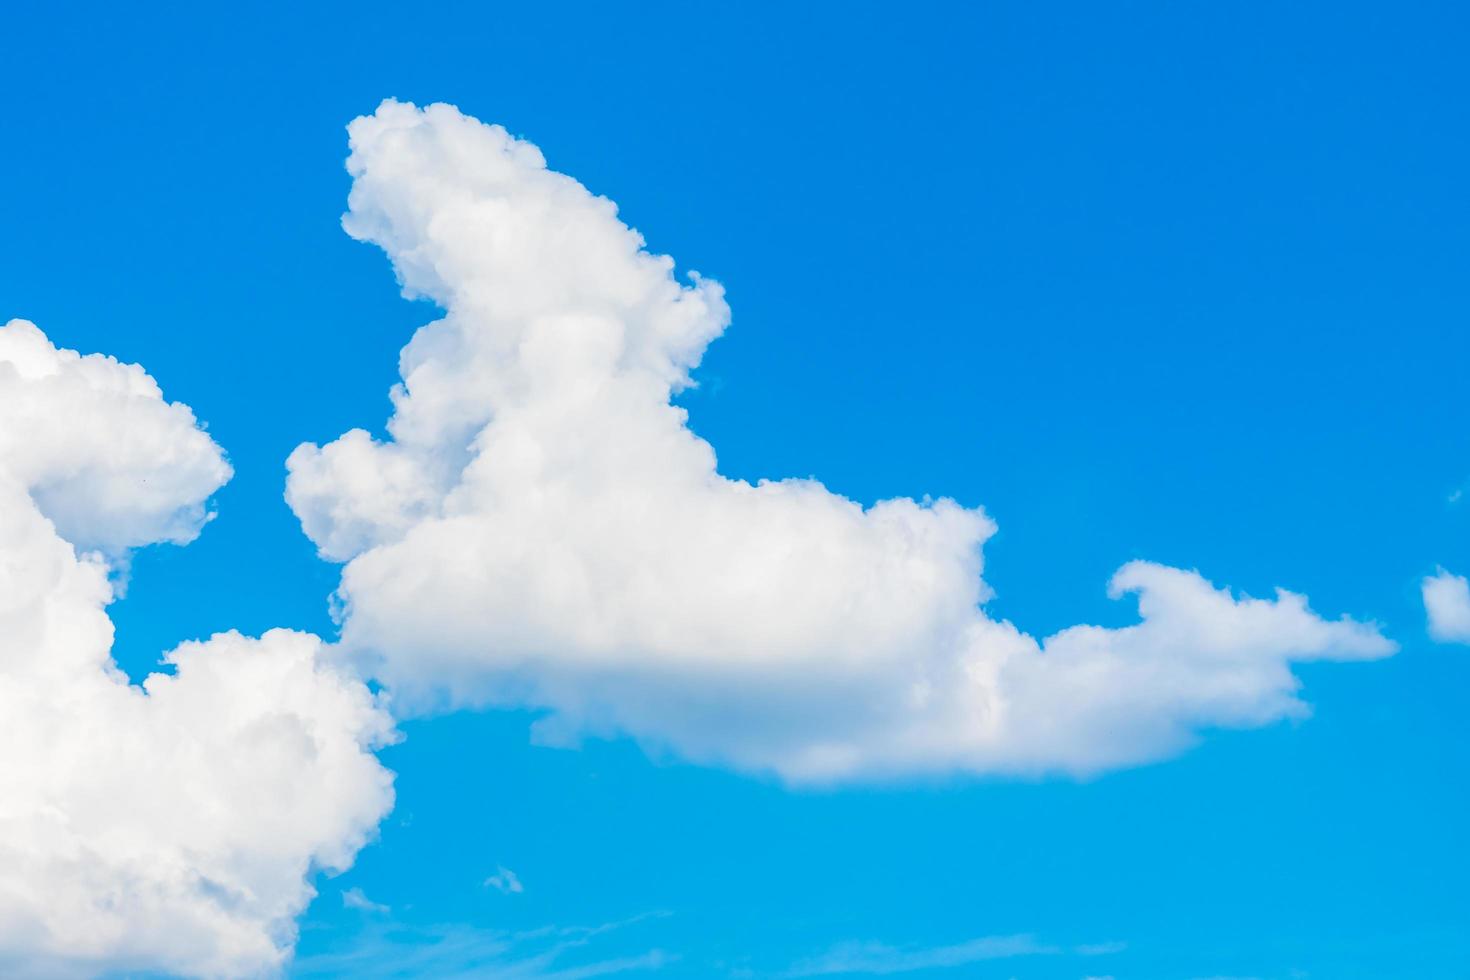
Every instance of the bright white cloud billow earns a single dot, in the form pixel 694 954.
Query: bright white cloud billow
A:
pixel 1447 604
pixel 169 827
pixel 543 528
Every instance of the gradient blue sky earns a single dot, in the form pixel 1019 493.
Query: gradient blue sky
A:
pixel 1182 282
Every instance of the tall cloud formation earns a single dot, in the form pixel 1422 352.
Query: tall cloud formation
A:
pixel 1447 603
pixel 168 827
pixel 544 529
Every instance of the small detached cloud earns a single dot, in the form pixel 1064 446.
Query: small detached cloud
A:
pixel 353 898
pixel 1447 604
pixel 505 881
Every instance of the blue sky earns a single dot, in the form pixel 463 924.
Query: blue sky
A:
pixel 1165 282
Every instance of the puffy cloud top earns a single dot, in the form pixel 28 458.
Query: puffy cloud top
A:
pixel 111 463
pixel 1447 602
pixel 543 527
pixel 172 826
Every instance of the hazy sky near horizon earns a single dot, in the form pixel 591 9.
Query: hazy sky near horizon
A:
pixel 1133 317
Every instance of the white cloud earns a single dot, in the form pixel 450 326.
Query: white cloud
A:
pixel 881 959
pixel 505 881
pixel 168 827
pixel 92 441
pixel 1447 603
pixel 356 898
pixel 543 528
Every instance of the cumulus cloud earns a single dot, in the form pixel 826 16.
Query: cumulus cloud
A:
pixel 110 463
pixel 1447 603
pixel 543 528
pixel 170 826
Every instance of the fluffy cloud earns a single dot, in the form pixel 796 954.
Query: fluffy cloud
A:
pixel 172 826
pixel 1447 603
pixel 543 528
